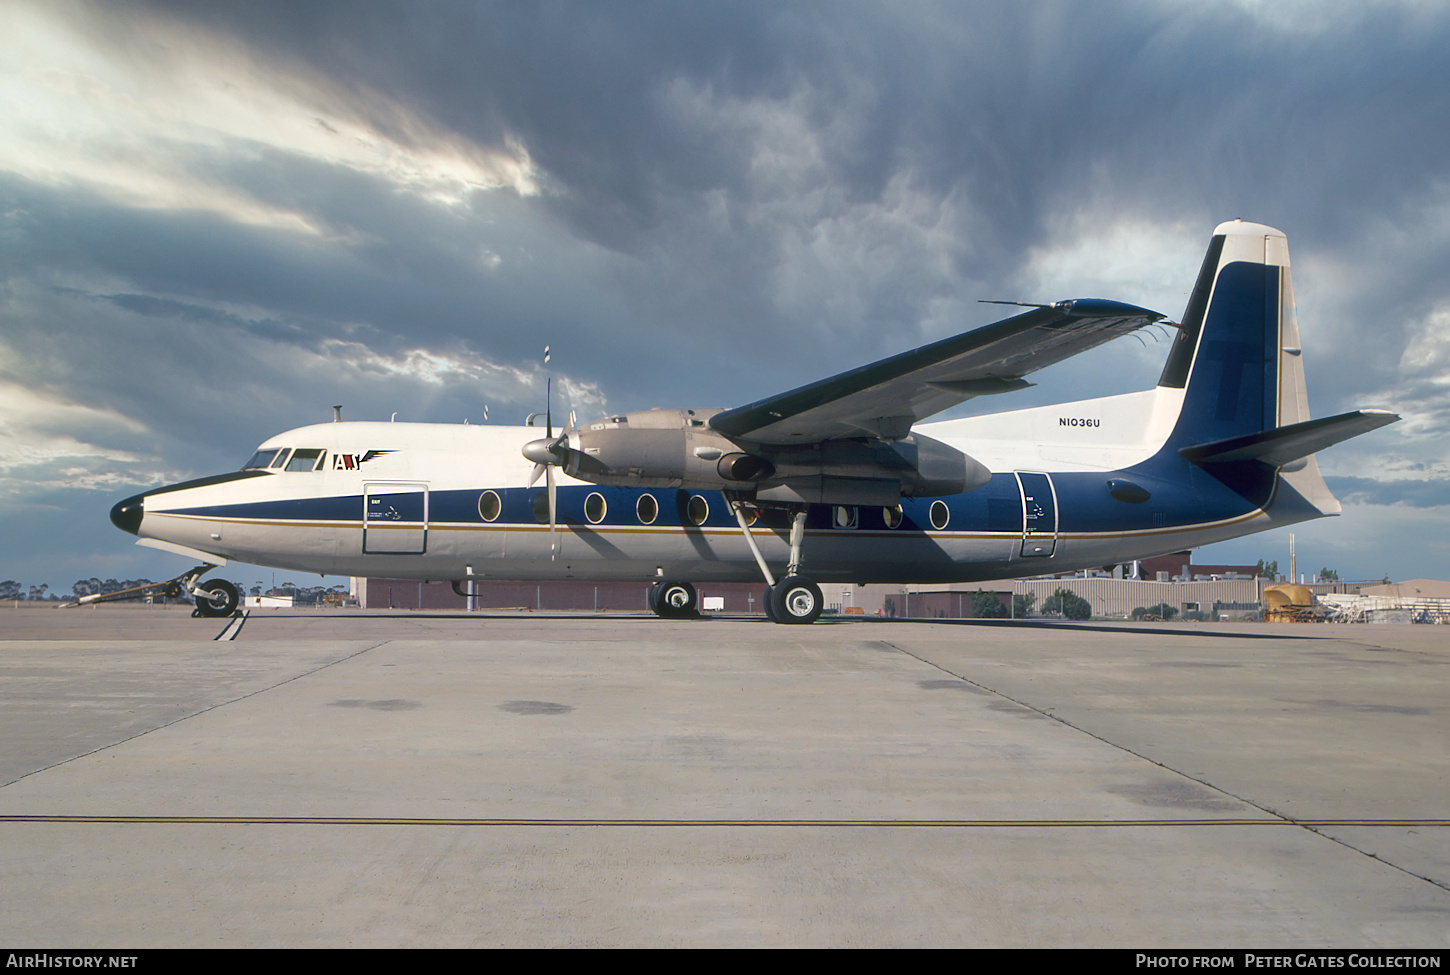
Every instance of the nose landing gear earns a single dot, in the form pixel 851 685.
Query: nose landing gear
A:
pixel 216 598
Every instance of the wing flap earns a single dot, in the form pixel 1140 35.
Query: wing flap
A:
pixel 884 398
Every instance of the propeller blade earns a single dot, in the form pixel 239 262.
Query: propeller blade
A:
pixel 553 518
pixel 534 478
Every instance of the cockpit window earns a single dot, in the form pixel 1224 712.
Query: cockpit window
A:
pixel 276 465
pixel 259 460
pixel 305 460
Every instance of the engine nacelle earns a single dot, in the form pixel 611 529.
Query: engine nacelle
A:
pixel 678 449
pixel 937 469
pixel 662 449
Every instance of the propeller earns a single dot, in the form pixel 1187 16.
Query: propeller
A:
pixel 547 454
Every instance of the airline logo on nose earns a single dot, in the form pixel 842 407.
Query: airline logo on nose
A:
pixel 351 462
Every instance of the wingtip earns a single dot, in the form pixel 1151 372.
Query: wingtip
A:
pixel 1105 308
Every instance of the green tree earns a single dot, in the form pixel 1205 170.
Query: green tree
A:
pixel 1022 605
pixel 986 606
pixel 1268 570
pixel 1068 604
pixel 1328 575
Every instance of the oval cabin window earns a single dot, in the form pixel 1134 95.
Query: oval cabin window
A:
pixel 594 508
pixel 489 505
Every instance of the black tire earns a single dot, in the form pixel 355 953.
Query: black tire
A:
pixel 674 600
pixel 767 603
pixel 217 598
pixel 796 599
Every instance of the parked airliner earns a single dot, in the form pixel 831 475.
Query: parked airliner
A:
pixel 837 481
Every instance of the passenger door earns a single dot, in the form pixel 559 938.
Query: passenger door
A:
pixel 395 518
pixel 1039 515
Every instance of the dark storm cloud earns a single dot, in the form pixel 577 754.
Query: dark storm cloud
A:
pixel 652 125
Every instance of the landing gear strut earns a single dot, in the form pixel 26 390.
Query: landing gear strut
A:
pixel 794 599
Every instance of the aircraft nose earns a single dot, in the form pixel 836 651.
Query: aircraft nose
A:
pixel 126 515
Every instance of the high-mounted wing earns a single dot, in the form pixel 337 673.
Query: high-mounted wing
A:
pixel 885 398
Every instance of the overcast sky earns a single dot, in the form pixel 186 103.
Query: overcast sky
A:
pixel 217 220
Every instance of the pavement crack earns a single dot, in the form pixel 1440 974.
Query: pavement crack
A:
pixel 1046 713
pixel 187 717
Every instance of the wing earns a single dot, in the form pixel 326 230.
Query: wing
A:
pixel 885 398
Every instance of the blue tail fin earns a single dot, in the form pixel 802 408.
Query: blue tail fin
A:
pixel 1230 352
pixel 1245 414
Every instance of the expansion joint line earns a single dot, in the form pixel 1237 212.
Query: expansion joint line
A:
pixel 1311 826
pixel 234 627
pixel 211 707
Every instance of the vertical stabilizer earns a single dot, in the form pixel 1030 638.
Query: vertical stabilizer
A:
pixel 1237 354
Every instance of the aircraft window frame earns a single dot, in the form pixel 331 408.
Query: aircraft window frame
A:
pixel 654 506
pixel 893 516
pixel 496 505
pixel 844 517
pixel 699 518
pixel 279 463
pixel 539 507
pixel 299 456
pixel 595 518
pixel 939 508
pixel 752 515
pixel 253 465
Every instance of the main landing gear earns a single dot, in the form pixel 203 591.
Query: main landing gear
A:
pixel 794 599
pixel 673 600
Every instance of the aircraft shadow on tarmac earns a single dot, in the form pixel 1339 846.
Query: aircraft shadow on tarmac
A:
pixel 1125 627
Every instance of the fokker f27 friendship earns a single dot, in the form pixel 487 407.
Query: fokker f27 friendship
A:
pixel 837 481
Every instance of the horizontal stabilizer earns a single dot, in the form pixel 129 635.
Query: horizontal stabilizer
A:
pixel 1284 445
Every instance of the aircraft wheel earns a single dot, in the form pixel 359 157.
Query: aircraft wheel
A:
pixel 796 599
pixel 673 600
pixel 767 603
pixel 217 597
